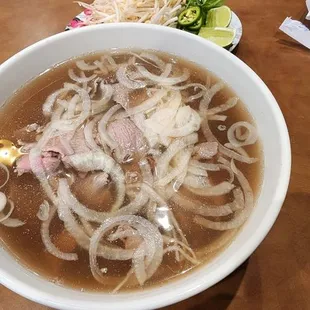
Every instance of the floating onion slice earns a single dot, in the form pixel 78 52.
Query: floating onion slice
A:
pixel 87 227
pixel 101 105
pixel 222 149
pixel 178 249
pixel 44 211
pixel 153 58
pixel 78 79
pixel 102 127
pixel 82 65
pixel 12 223
pixel 206 166
pixel 6 170
pixel 12 207
pixel 197 207
pixel 191 126
pixel 70 113
pixel 175 147
pixel 241 215
pixel 147 258
pixel 249 138
pixel 162 80
pixel 216 190
pixel 123 79
pixel 50 247
pixel 168 240
pixel 218 117
pixel 3 201
pixel 193 85
pixel 68 125
pixel 89 133
pixel 239 150
pixel 149 103
pixel 146 172
pixel 223 107
pixel 103 69
pixel 93 161
pixel 195 97
pixel 91 215
pixel 51 99
pixel 208 96
pixel 197 171
pixel 196 181
pixel 83 240
pixel 180 166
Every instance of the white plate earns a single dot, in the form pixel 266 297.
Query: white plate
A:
pixel 77 22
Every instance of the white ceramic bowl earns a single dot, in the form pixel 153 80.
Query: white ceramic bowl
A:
pixel 249 87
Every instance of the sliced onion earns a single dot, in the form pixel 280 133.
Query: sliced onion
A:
pixel 91 215
pixel 101 105
pixel 104 70
pixel 239 150
pixel 223 107
pixel 250 138
pixel 12 223
pixel 153 243
pixel 196 181
pixel 3 201
pixel 149 103
pixel 93 161
pixel 225 151
pixel 197 207
pixel 72 106
pixel 153 195
pixel 68 125
pixel 208 96
pixel 194 85
pixel 241 215
pixel 146 172
pixel 194 97
pixel 7 172
pixel 176 146
pixel 180 166
pixel 51 99
pixel 216 190
pixel 164 81
pixel 89 133
pixel 182 252
pixel 217 117
pixel 153 58
pixel 5 217
pixel 191 126
pixel 76 231
pixel 78 79
pixel 82 65
pixel 122 78
pixel 44 211
pixel 197 171
pixel 102 127
pixel 166 71
pixel 206 166
pixel 50 247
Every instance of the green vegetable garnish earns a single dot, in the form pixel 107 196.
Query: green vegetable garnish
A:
pixel 189 16
pixel 205 4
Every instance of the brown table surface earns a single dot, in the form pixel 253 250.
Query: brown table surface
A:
pixel 277 275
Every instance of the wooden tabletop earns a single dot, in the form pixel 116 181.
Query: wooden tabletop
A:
pixel 277 275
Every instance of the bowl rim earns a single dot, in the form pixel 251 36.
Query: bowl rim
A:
pixel 36 294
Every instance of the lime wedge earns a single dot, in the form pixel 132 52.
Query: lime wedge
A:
pixel 219 17
pixel 220 36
